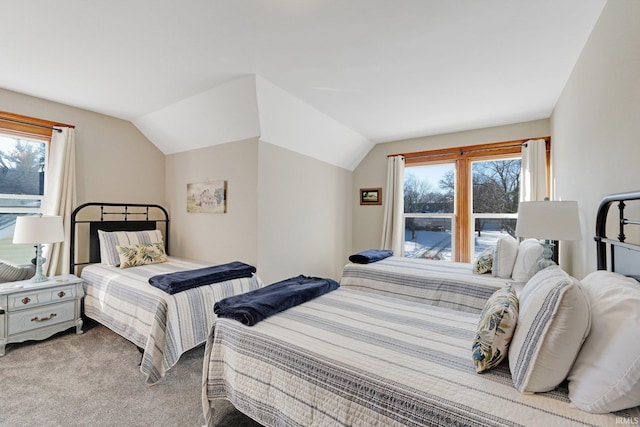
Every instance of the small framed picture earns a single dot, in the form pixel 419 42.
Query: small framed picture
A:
pixel 207 197
pixel 371 196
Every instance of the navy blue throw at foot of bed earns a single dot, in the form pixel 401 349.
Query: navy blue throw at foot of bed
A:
pixel 251 307
pixel 370 255
pixel 180 281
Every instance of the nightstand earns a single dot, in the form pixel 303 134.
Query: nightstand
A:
pixel 35 311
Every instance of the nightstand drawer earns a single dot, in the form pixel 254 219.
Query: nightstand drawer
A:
pixel 26 320
pixel 24 300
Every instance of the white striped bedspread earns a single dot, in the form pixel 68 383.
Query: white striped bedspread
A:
pixel 350 358
pixel 163 325
pixel 440 283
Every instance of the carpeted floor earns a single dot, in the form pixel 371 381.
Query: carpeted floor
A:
pixel 94 379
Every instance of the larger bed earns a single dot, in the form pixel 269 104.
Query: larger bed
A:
pixel 162 325
pixel 360 359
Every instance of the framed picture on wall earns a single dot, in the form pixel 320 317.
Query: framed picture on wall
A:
pixel 207 197
pixel 371 196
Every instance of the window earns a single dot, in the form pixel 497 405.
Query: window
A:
pixel 496 191
pixel 429 211
pixel 24 146
pixel 460 201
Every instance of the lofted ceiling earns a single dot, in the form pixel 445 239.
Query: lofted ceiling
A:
pixel 369 71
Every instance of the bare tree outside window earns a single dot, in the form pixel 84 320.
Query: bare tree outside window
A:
pixel 22 169
pixel 430 200
pixel 429 208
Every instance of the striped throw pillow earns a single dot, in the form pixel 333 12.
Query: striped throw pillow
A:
pixel 109 241
pixel 554 320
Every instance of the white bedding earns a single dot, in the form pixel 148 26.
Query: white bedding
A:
pixel 360 359
pixel 163 325
pixel 439 283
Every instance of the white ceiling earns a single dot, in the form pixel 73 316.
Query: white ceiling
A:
pixel 385 69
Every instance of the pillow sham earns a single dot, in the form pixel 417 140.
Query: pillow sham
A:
pixel 141 254
pixel 497 323
pixel 504 257
pixel 606 374
pixel 483 262
pixel 526 263
pixel 109 241
pixel 553 321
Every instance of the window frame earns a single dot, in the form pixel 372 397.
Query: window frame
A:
pixel 463 157
pixel 34 129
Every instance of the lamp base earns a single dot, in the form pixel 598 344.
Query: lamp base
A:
pixel 547 254
pixel 39 276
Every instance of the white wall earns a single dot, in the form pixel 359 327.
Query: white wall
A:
pixel 114 161
pixel 288 214
pixel 304 215
pixel 372 171
pixel 223 237
pixel 596 124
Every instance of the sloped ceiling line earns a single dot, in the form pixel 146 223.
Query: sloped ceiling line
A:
pixel 250 107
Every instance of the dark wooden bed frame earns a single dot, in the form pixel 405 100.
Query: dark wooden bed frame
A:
pixel 112 217
pixel 615 254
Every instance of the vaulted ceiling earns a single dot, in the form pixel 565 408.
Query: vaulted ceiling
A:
pixel 326 78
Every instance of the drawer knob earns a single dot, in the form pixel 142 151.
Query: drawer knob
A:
pixel 37 319
pixel 61 294
pixel 26 300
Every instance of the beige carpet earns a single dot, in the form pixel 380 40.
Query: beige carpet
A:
pixel 94 379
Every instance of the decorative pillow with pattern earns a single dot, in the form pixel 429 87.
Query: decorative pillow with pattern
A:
pixel 110 240
pixel 495 329
pixel 484 262
pixel 141 254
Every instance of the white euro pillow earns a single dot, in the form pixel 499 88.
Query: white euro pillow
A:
pixel 526 264
pixel 553 321
pixel 606 374
pixel 504 256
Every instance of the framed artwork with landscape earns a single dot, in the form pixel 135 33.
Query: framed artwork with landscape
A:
pixel 207 197
pixel 371 196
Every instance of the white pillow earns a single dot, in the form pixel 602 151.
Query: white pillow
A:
pixel 606 375
pixel 526 264
pixel 110 240
pixel 553 321
pixel 504 257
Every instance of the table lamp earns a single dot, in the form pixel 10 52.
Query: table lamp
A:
pixel 549 221
pixel 38 230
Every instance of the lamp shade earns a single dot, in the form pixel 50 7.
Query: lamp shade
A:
pixel 38 229
pixel 549 220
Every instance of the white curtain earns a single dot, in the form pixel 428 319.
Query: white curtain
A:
pixel 393 224
pixel 533 175
pixel 60 195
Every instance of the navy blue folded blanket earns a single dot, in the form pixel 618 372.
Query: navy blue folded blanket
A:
pixel 180 281
pixel 371 255
pixel 251 307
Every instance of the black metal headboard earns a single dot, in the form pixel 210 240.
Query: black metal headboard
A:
pixel 111 217
pixel 624 257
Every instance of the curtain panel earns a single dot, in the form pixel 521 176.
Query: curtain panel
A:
pixel 393 222
pixel 533 178
pixel 60 196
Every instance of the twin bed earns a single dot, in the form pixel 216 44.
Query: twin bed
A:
pixel 444 284
pixel 162 325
